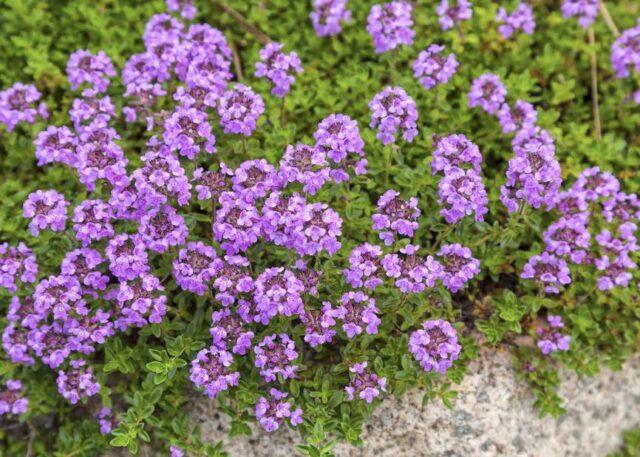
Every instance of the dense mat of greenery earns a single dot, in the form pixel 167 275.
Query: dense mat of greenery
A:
pixel 550 69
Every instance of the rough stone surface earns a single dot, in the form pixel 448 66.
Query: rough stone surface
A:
pixel 493 415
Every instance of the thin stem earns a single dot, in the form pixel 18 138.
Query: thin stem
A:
pixel 245 150
pixel 608 19
pixel 394 63
pixel 594 85
pixel 236 61
pixel 282 117
pixel 243 22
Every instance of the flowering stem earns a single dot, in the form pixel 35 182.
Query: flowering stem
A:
pixel 608 19
pixel 282 119
pixel 594 85
pixel 245 150
pixel 394 58
pixel 236 61
pixel 243 22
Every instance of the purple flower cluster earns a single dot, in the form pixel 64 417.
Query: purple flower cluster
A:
pixel 585 10
pixel 521 116
pixel 432 67
pixel 435 346
pixel 358 313
pixel 461 193
pixel 364 384
pixel 106 420
pixel 56 145
pixel 279 68
pixel 488 93
pixel 411 272
pixel 390 25
pixel 550 271
pixel 364 267
pixel 77 383
pixel 92 221
pixel 195 267
pixel 185 8
pixel 275 355
pixel 239 109
pixel 458 266
pixel 17 263
pixel 95 70
pixel 625 55
pixel 12 400
pixel 319 324
pixel 450 15
pixel 338 137
pixel 455 151
pixel 19 104
pixel 521 18
pixel 328 15
pixel 393 110
pixel 211 371
pixel 188 131
pixel 230 330
pixel 273 411
pixel 550 339
pixel 395 216
pixel 46 209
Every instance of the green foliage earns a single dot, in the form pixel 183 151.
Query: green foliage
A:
pixel 144 374
pixel 631 446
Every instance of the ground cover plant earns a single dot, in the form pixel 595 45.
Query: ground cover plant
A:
pixel 296 209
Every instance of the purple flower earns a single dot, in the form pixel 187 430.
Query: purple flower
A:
pixel 487 92
pixel 254 179
pixel 277 291
pixel 239 109
pixel 317 227
pixel 625 52
pixel 194 267
pixel 395 216
pixel 77 382
pixel 319 324
pixel 550 339
pixel 451 15
pixel 82 264
pixel 46 209
pixel 230 329
pixel 175 451
pixel 621 207
pixel 522 116
pixel 93 69
pixel 364 384
pixel 550 271
pixel 161 228
pixel 461 193
pixel 455 151
pixel 60 295
pixel 17 344
pixel 272 412
pixel 275 355
pixel 99 156
pixel 614 273
pixel 459 266
pixel 435 346
pixel 188 131
pixel 140 301
pixel 338 136
pixel 521 18
pixel 232 279
pixel 12 399
pixel 211 371
pixel 162 37
pixel 237 224
pixel 568 237
pixel 364 267
pixel 210 184
pixel 90 108
pixel 56 145
pixel 162 178
pixel 432 67
pixel 19 104
pixel 17 263
pixel 393 110
pixel 358 313
pixel 200 41
pixel 305 165
pixel 107 420
pixel 390 25
pixel 412 273
pixel 127 256
pixel 278 67
pixel 533 175
pixel 572 203
pixel 92 221
pixel 328 15
pixel 586 10
pixel 593 184
pixel 185 8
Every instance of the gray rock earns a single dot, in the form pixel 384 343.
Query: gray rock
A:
pixel 493 415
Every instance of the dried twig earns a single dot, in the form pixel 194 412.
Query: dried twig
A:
pixel 608 19
pixel 594 85
pixel 236 61
pixel 243 22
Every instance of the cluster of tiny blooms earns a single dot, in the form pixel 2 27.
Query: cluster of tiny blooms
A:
pixel 106 420
pixel 395 216
pixel 585 10
pixel 392 110
pixel 390 25
pixel 328 16
pixel 12 399
pixel 550 339
pixel 272 411
pixel 17 263
pixel 432 67
pixel 487 92
pixel 452 13
pixel 625 55
pixel 211 371
pixel 435 346
pixel 78 382
pixel 279 68
pixel 461 190
pixel 274 356
pixel 364 384
pixel 521 18
pixel 19 104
